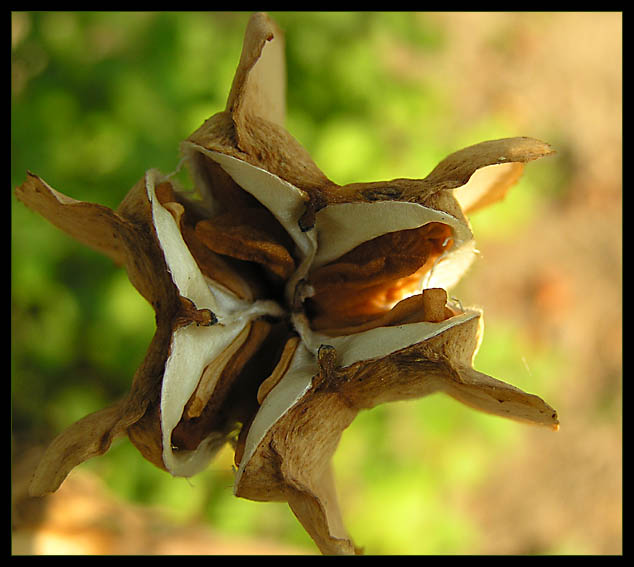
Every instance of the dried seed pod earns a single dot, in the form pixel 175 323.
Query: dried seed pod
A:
pixel 290 443
pixel 198 324
pixel 365 255
pixel 286 303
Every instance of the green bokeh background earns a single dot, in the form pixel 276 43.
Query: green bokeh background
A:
pixel 98 98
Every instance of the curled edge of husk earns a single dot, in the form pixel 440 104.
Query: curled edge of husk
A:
pixel 291 462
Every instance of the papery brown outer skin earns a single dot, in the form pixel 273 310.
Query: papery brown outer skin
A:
pixel 128 237
pixel 292 462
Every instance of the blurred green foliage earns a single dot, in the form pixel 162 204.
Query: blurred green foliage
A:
pixel 98 98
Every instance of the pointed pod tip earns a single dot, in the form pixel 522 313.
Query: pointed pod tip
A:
pixel 536 148
pixel 30 178
pixel 262 19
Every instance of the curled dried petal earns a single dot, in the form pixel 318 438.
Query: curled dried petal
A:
pixel 87 438
pixel 251 127
pixel 290 443
pixel 259 85
pixel 493 396
pixel 95 225
pixel 456 169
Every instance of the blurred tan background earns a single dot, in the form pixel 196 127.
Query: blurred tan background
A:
pixel 418 477
pixel 560 277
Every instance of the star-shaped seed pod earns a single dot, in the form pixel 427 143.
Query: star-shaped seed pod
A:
pixel 286 303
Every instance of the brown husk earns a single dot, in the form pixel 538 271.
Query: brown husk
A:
pixel 292 462
pixel 229 228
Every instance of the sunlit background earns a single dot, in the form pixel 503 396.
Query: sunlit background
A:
pixel 98 98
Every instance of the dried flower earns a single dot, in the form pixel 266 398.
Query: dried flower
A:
pixel 286 303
